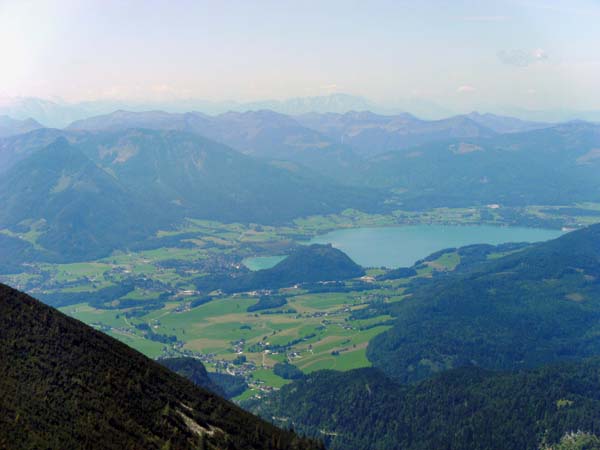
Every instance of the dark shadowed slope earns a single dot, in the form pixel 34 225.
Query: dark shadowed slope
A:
pixel 65 385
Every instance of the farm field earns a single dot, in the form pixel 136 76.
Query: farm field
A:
pixel 146 296
pixel 318 334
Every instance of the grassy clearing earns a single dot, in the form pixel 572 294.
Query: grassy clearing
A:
pixel 148 348
pixel 448 261
pixel 320 325
pixel 324 338
pixel 269 378
pixel 341 351
pixel 90 315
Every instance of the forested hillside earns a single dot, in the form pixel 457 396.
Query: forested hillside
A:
pixel 467 408
pixel 65 385
pixel 555 165
pixel 531 307
pixel 84 195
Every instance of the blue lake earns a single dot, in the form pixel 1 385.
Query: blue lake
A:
pixel 262 262
pixel 404 245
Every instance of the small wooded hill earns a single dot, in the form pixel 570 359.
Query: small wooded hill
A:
pixel 537 305
pixel 65 385
pixel 467 408
pixel 307 264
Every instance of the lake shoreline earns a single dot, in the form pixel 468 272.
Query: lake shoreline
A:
pixel 395 246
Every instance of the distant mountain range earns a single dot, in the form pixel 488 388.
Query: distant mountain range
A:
pixel 152 169
pixel 88 193
pixel 264 134
pixel 57 113
pixel 459 161
pixel 66 385
pixel 371 134
pixel 555 165
pixel 11 127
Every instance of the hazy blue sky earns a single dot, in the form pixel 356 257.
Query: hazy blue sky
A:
pixel 458 53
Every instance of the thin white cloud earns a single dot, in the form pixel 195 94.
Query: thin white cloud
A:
pixel 485 18
pixel 522 58
pixel 465 89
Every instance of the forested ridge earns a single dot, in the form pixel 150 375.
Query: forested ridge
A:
pixel 537 305
pixel 65 385
pixel 466 408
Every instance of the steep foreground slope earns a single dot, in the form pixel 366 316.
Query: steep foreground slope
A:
pixel 65 385
pixel 467 408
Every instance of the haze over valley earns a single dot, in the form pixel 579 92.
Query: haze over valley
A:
pixel 299 225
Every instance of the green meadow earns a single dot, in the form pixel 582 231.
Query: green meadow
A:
pixel 317 330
